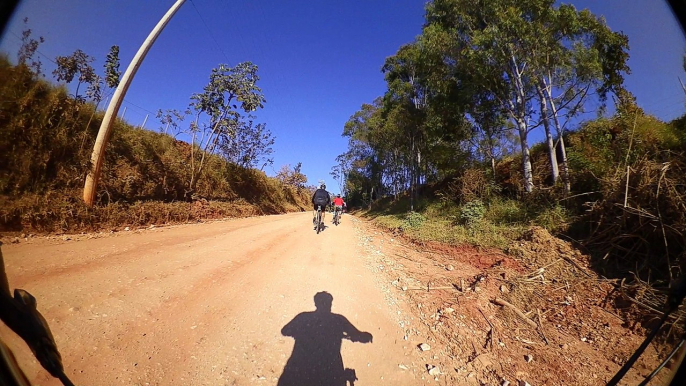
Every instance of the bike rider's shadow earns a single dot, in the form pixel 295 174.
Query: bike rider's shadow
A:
pixel 316 359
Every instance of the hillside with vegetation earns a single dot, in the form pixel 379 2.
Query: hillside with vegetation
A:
pixel 47 134
pixel 445 155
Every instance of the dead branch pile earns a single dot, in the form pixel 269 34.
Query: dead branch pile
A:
pixel 554 268
pixel 638 226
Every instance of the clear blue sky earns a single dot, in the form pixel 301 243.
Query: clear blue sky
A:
pixel 318 60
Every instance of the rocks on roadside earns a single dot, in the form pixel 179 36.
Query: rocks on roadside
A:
pixel 424 347
pixel 433 370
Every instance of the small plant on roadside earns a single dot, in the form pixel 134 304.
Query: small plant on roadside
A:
pixel 414 220
pixel 472 212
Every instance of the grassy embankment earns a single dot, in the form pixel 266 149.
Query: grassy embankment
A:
pixel 626 210
pixel 45 141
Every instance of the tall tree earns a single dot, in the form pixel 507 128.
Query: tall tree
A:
pixel 490 129
pixel 366 155
pixel 218 105
pixel 516 52
pixel 489 44
pixel 582 57
pixel 406 103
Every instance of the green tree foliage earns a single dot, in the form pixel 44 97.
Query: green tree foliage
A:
pixel 218 106
pixel 514 53
pixel 582 56
pixel 77 65
pixel 112 73
pixel 481 73
pixel 408 137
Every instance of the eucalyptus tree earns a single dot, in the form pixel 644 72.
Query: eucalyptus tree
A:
pixel 490 129
pixel 488 43
pixel 515 52
pixel 580 57
pixel 365 158
pixel 406 105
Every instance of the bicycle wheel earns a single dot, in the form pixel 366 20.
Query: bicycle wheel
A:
pixel 319 220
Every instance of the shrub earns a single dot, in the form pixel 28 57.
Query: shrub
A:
pixel 414 220
pixel 472 212
pixel 505 212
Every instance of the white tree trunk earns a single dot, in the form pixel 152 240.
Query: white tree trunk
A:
pixel 554 170
pixel 518 111
pixel 563 151
pixel 526 156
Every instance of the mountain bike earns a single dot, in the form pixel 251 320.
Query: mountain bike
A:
pixel 336 216
pixel 318 226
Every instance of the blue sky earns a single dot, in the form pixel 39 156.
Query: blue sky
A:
pixel 318 60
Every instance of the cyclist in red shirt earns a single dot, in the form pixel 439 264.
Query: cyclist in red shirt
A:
pixel 338 204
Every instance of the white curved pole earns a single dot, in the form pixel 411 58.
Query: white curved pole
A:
pixel 113 108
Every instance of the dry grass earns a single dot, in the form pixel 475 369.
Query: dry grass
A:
pixel 45 142
pixel 56 212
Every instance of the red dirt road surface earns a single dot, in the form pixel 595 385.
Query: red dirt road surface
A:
pixel 214 304
pixel 267 301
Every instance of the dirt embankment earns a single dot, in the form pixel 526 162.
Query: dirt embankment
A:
pixel 561 327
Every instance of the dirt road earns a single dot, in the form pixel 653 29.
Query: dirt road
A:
pixel 213 304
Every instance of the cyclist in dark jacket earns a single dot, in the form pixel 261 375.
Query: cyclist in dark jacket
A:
pixel 320 198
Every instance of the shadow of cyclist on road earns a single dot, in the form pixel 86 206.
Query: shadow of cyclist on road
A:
pixel 316 357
